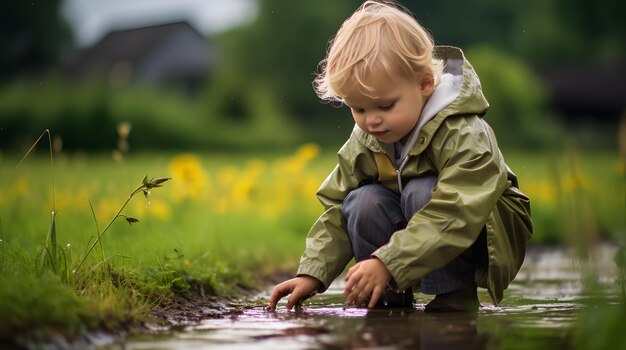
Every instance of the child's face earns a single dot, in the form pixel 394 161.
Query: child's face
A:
pixel 393 114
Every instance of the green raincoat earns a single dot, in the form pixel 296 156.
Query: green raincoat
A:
pixel 475 191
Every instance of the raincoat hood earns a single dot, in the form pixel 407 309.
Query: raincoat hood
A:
pixel 458 92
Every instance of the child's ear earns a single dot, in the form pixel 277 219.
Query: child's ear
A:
pixel 427 85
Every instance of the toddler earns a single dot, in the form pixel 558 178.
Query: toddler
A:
pixel 421 196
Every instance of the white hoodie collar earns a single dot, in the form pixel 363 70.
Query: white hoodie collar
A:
pixel 446 92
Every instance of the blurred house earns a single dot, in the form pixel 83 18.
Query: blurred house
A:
pixel 172 55
pixel 592 92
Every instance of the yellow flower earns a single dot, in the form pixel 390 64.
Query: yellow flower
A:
pixel 245 184
pixel 160 209
pixel 310 185
pixel 190 181
pixel 307 151
pixel 540 190
pixel 299 160
pixel 152 207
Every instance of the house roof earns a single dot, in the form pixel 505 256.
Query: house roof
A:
pixel 134 46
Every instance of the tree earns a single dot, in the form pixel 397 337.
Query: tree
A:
pixel 539 31
pixel 32 34
pixel 279 51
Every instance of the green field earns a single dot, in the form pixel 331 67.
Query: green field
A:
pixel 223 221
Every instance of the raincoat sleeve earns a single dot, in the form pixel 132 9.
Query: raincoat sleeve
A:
pixel 328 248
pixel 472 177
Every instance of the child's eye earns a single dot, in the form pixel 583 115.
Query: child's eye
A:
pixel 387 106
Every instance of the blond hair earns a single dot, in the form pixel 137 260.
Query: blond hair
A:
pixel 379 36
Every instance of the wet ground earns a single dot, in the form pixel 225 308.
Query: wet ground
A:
pixel 539 311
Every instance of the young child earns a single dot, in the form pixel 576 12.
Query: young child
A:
pixel 421 196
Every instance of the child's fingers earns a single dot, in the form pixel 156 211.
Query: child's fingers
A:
pixel 378 291
pixel 296 296
pixel 358 293
pixel 276 296
pixel 291 302
pixel 351 271
pixel 293 298
pixel 363 294
pixel 279 291
pixel 352 281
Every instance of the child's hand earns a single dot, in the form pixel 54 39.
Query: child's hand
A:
pixel 366 277
pixel 301 288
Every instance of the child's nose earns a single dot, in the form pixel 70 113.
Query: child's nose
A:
pixel 373 119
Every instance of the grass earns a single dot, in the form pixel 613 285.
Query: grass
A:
pixel 557 181
pixel 223 222
pixel 210 241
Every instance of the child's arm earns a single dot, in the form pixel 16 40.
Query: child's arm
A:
pixel 328 248
pixel 300 288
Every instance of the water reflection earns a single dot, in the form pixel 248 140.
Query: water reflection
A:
pixel 414 329
pixel 539 311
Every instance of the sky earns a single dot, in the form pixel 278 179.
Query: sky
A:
pixel 92 19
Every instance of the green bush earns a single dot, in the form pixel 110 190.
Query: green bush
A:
pixel 80 115
pixel 85 116
pixel 518 102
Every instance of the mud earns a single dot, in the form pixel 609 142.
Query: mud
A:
pixel 187 309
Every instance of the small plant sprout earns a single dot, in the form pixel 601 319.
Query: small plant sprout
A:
pixel 153 183
pixel 145 187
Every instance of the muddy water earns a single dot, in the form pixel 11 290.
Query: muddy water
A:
pixel 539 311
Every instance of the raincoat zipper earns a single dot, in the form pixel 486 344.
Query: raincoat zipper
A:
pixel 399 172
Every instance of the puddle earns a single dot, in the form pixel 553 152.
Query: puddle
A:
pixel 538 311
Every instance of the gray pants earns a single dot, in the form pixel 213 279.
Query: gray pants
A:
pixel 373 213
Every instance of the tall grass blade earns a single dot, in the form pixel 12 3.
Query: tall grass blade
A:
pixel 66 268
pixel 47 131
pixel 95 221
pixel 49 251
pixel 106 228
pixel 46 260
pixel 52 238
